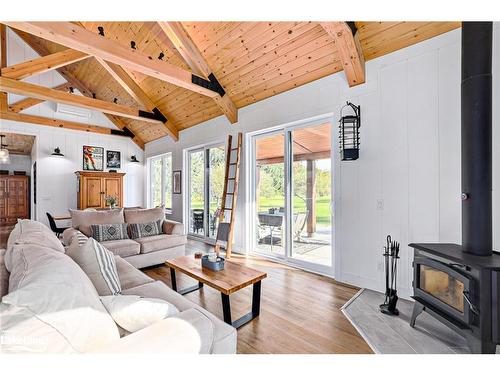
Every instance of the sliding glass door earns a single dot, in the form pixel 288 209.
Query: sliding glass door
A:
pixel 270 193
pixel 206 168
pixel 293 196
pixel 311 176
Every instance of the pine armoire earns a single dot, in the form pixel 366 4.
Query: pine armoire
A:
pixel 14 198
pixel 93 187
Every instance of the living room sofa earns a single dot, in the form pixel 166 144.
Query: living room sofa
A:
pixel 59 309
pixel 140 252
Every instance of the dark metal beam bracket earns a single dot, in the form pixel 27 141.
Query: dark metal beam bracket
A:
pixel 211 83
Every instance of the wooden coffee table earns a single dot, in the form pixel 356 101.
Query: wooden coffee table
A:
pixel 233 278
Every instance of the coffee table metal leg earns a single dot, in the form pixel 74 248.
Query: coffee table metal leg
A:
pixel 226 308
pixel 186 290
pixel 256 299
pixel 173 280
pixel 247 317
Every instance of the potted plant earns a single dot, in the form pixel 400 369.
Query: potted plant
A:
pixel 111 201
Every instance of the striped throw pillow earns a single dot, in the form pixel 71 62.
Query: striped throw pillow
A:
pixel 109 232
pixel 139 230
pixel 99 265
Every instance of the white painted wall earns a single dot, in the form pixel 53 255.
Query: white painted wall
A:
pixel 407 180
pixel 56 180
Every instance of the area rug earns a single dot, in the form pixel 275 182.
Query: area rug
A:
pixel 393 334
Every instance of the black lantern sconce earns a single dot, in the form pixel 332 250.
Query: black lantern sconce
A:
pixel 133 159
pixel 349 133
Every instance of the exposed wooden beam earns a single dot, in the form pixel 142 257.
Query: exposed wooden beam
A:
pixel 3 63
pixel 126 81
pixel 193 57
pixel 34 91
pixel 74 81
pixel 78 38
pixel 44 121
pixel 23 104
pixel 349 49
pixel 43 64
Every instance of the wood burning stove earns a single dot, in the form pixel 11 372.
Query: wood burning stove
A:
pixel 459 289
pixel 444 285
pixel 460 284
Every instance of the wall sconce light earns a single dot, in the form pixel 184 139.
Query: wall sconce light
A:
pixel 133 159
pixel 57 152
pixel 4 153
pixel 349 133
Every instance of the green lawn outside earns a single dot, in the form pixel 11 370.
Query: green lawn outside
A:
pixel 322 207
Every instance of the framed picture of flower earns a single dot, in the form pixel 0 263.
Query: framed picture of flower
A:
pixel 93 158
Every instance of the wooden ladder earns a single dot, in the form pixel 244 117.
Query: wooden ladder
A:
pixel 228 206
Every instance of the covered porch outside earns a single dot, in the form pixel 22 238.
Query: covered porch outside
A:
pixel 311 224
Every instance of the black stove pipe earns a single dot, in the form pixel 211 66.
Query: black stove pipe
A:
pixel 477 236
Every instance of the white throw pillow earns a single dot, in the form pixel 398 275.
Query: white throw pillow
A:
pixel 56 292
pixel 98 263
pixel 133 313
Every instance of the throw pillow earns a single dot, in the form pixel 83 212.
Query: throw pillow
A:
pixel 133 313
pixel 81 220
pixel 139 230
pixel 109 232
pixel 99 265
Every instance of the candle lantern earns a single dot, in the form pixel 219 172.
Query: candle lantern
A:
pixel 349 132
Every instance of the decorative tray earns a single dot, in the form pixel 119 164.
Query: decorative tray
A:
pixel 214 266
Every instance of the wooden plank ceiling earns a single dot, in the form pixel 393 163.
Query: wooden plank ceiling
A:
pixel 251 60
pixel 18 144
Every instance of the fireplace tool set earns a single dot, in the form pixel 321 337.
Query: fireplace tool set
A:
pixel 391 255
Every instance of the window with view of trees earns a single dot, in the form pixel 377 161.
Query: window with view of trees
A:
pixel 160 177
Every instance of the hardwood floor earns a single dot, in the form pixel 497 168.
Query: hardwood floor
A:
pixel 300 311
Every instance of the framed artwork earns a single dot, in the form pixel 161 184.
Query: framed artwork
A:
pixel 176 182
pixel 113 159
pixel 93 158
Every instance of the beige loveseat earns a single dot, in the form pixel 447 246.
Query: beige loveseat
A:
pixel 140 252
pixel 49 305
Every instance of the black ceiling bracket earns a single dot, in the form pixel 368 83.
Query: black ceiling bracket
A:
pixel 159 115
pixel 153 115
pixel 211 83
pixel 353 27
pixel 126 132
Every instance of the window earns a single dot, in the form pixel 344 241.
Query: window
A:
pixel 160 177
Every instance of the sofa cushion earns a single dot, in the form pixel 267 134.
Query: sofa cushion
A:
pixel 109 232
pixel 144 215
pixel 99 265
pixel 23 332
pixel 139 230
pixel 82 220
pixel 30 231
pixel 189 332
pixel 123 248
pixel 172 227
pixel 53 288
pixel 130 276
pixel 160 242
pixel 4 275
pixel 224 334
pixel 133 313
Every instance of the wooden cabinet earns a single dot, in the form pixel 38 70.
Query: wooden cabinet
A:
pixel 93 187
pixel 14 198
